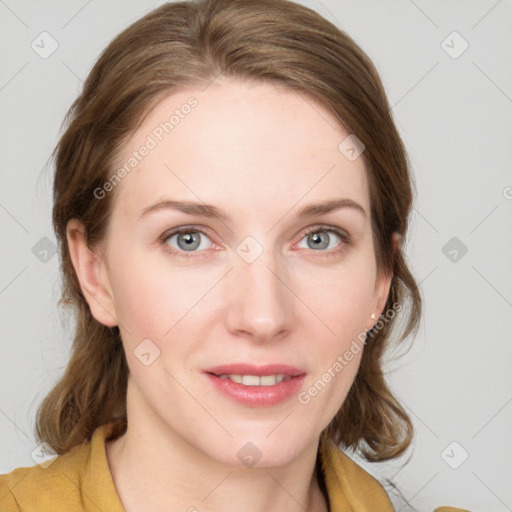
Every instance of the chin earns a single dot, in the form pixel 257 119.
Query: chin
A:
pixel 255 448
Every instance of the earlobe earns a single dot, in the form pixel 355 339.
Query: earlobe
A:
pixel 91 272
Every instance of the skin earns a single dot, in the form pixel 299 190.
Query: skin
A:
pixel 261 154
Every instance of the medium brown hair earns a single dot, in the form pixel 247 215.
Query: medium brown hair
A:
pixel 189 43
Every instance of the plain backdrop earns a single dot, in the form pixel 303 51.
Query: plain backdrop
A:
pixel 446 69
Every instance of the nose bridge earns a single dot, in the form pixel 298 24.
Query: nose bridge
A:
pixel 260 301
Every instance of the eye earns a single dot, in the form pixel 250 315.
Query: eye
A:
pixel 185 240
pixel 188 240
pixel 320 238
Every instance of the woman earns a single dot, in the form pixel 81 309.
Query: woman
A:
pixel 231 198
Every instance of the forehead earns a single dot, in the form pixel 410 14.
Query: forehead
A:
pixel 242 145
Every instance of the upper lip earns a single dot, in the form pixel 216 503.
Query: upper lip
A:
pixel 251 369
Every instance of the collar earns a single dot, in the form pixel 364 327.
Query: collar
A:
pixel 349 487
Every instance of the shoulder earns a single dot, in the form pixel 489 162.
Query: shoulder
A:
pixel 77 480
pixel 350 487
pixel 44 485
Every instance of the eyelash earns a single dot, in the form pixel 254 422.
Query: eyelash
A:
pixel 345 238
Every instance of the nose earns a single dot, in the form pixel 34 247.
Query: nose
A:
pixel 259 300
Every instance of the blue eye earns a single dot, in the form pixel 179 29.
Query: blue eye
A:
pixel 316 238
pixel 188 241
pixel 320 239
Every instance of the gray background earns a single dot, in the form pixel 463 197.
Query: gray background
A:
pixel 454 113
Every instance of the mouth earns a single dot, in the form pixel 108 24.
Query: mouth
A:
pixel 255 386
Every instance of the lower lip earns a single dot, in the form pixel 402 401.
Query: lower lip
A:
pixel 258 396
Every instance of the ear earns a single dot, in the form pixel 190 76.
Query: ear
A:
pixel 383 283
pixel 92 275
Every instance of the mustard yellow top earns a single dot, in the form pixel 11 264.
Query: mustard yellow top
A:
pixel 80 480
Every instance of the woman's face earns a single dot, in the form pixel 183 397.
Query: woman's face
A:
pixel 253 288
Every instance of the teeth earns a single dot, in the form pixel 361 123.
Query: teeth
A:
pixel 250 380
pixel 267 380
pixel 255 380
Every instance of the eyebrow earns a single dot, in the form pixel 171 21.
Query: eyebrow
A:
pixel 207 210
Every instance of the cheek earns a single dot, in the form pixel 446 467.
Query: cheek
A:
pixel 152 296
pixel 144 301
pixel 341 300
pixel 340 297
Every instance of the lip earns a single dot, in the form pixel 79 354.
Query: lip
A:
pixel 257 396
pixel 259 370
